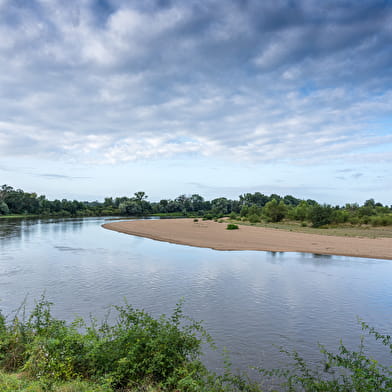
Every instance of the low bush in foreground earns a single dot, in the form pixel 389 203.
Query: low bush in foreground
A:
pixel 135 353
pixel 232 226
pixel 344 371
pixel 140 353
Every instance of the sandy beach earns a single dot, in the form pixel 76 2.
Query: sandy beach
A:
pixel 208 234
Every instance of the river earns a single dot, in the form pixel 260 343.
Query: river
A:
pixel 250 302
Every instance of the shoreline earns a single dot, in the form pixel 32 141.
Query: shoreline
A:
pixel 213 235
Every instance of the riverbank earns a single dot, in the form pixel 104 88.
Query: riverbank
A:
pixel 209 234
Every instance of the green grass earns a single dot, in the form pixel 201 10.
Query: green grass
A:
pixel 19 382
pixel 169 214
pixel 13 216
pixel 346 230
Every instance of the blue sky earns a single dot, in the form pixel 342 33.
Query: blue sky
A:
pixel 109 97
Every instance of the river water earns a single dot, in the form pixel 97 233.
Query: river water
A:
pixel 251 302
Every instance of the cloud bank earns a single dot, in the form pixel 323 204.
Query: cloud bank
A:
pixel 116 81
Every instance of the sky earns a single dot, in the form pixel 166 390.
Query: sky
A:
pixel 109 97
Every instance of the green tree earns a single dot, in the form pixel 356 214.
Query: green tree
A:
pixel 220 206
pixel 301 211
pixel 320 215
pixel 275 211
pixel 4 210
pixel 139 196
pixel 244 210
pixel 131 207
pixel 254 210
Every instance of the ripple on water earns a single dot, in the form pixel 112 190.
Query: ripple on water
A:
pixel 249 301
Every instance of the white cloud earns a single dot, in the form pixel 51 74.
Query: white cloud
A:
pixel 252 82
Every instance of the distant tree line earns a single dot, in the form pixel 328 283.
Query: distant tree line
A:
pixel 252 207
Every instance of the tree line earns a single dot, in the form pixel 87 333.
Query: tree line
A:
pixel 252 207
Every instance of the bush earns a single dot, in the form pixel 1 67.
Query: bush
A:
pixel 345 371
pixel 233 216
pixel 254 218
pixel 274 211
pixel 320 215
pixel 244 211
pixel 136 349
pixel 381 220
pixel 354 220
pixel 141 353
pixel 232 226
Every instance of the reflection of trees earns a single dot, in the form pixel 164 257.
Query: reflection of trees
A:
pixel 16 228
pixel 10 228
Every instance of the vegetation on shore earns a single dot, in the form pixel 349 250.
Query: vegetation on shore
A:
pixel 341 230
pixel 137 352
pixel 253 208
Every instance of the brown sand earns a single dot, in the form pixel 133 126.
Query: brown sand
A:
pixel 208 234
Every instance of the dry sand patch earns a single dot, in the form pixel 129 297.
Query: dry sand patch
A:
pixel 209 234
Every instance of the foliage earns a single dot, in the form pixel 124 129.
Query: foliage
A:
pixel 344 371
pixel 254 218
pixel 4 210
pixel 134 352
pixel 320 215
pixel 232 226
pixel 301 211
pixel 140 353
pixel 275 211
pixel 20 383
pixel 273 208
pixel 254 210
pixel 233 215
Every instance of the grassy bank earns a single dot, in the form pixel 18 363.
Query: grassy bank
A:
pixel 343 230
pixel 19 216
pixel 23 383
pixel 170 215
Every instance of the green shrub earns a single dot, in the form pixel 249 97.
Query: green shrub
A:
pixel 142 353
pixel 135 349
pixel 244 211
pixel 381 220
pixel 233 216
pixel 232 226
pixel 17 382
pixel 195 220
pixel 254 218
pixel 275 211
pixel 344 371
pixel 320 215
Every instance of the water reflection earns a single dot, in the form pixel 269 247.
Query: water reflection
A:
pixel 248 300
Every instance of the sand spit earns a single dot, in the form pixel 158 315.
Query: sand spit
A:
pixel 208 234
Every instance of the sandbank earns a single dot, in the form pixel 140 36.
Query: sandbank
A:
pixel 208 234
